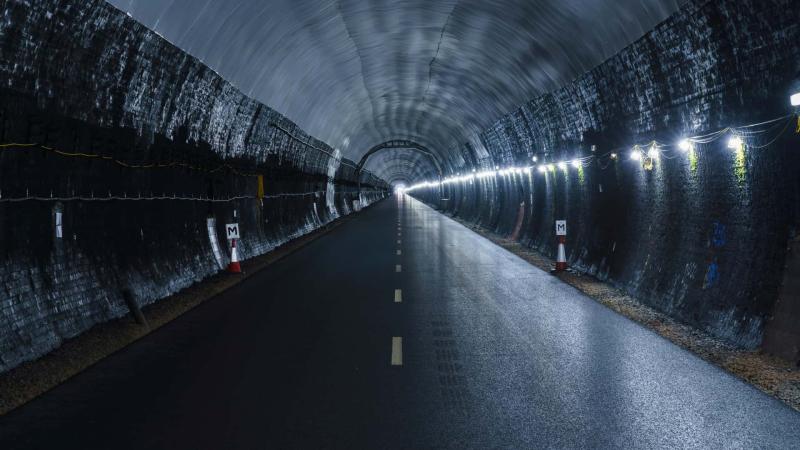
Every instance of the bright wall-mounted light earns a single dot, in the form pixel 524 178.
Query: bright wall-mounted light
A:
pixel 734 143
pixel 795 99
pixel 647 155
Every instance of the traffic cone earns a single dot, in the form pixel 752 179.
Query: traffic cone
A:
pixel 561 258
pixel 234 266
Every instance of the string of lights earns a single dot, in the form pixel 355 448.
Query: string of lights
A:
pixel 739 138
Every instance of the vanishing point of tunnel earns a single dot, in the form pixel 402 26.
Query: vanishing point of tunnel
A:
pixel 399 224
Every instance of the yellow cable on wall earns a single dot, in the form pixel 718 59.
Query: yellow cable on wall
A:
pixel 129 165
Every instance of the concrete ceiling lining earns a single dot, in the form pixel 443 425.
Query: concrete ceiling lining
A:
pixel 356 72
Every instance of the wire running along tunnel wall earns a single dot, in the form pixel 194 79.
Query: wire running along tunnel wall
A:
pixel 698 233
pixel 118 151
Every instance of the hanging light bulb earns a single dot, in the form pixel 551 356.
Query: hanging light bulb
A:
pixel 613 156
pixel 636 154
pixel 542 169
pixel 535 158
pixel 576 163
pixel 685 145
pixel 562 165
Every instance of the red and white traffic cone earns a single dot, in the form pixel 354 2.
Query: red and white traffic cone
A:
pixel 561 258
pixel 234 266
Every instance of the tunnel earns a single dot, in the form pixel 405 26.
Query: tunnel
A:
pixel 407 224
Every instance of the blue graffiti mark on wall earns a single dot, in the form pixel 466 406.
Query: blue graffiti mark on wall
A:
pixel 712 275
pixel 718 236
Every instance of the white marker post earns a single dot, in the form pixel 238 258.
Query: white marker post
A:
pixel 232 231
pixel 561 234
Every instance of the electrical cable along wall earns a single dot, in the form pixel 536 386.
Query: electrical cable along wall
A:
pixel 675 164
pixel 121 160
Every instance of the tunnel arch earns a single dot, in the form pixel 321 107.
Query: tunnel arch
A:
pixel 401 166
pixel 401 144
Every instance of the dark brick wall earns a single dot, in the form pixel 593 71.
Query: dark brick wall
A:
pixel 137 146
pixel 702 239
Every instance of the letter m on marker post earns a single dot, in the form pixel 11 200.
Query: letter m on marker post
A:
pixel 232 230
pixel 561 227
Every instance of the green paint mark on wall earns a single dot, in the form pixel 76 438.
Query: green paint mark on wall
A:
pixel 740 164
pixel 693 160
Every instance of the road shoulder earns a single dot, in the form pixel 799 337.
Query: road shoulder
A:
pixel 774 376
pixel 32 379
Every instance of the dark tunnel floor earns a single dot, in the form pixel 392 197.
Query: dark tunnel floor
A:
pixel 495 353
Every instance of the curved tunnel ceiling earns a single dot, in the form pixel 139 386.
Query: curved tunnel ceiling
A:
pixel 402 166
pixel 356 73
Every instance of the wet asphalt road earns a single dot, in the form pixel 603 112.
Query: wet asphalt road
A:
pixel 495 354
